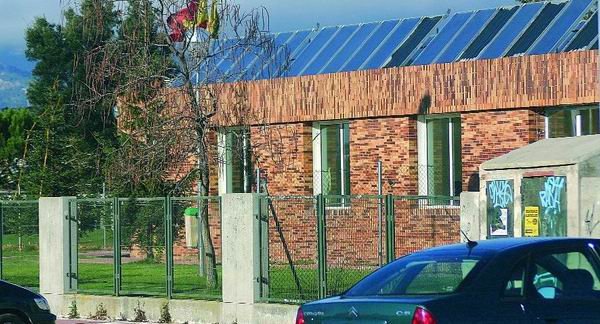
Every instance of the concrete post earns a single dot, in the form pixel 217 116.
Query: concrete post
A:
pixel 241 256
pixel 57 235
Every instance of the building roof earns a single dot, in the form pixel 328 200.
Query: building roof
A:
pixel 548 152
pixel 529 29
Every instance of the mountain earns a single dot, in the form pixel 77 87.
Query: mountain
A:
pixel 15 73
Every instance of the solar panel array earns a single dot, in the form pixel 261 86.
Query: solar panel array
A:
pixel 534 28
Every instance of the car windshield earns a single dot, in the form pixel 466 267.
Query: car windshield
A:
pixel 419 274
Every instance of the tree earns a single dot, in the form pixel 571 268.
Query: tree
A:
pixel 168 92
pixel 14 124
pixel 65 149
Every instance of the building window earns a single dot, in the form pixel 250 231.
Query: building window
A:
pixel 236 175
pixel 572 122
pixel 440 157
pixel 332 161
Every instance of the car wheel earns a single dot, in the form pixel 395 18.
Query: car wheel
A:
pixel 10 319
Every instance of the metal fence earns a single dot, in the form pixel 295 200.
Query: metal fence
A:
pixel 19 242
pixel 146 247
pixel 319 246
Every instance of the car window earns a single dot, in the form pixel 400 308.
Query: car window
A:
pixel 417 276
pixel 515 285
pixel 565 275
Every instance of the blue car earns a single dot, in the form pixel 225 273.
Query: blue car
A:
pixel 541 280
pixel 22 306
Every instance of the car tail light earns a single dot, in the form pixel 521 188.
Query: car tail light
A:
pixel 300 316
pixel 421 316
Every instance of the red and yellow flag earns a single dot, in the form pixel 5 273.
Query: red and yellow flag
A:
pixel 194 15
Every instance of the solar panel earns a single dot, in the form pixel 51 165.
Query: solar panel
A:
pixel 533 28
pixel 312 48
pixel 488 33
pixel 413 41
pixel 320 60
pixel 585 35
pixel 254 59
pixel 563 24
pixel 389 45
pixel 370 45
pixel 278 63
pixel 346 51
pixel 465 36
pixel 511 30
pixel 569 35
pixel 455 23
pixel 536 28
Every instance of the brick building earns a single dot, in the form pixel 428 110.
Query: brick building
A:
pixel 431 97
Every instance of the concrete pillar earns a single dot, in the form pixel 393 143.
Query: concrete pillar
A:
pixel 240 231
pixel 57 235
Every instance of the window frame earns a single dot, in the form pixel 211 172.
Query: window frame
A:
pixel 318 156
pixel 423 152
pixel 225 154
pixel 578 131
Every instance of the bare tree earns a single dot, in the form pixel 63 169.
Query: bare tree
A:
pixel 165 73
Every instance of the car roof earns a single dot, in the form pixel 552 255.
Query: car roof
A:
pixel 494 246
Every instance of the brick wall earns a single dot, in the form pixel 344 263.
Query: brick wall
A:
pixel 393 141
pixel 528 81
pixel 284 155
pixel 489 134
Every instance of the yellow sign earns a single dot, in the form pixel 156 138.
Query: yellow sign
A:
pixel 532 221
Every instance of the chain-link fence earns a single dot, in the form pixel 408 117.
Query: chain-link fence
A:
pixel 95 245
pixel 194 273
pixel 146 247
pixel 424 222
pixel 19 242
pixel 320 246
pixel 289 264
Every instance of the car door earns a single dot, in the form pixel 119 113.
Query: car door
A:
pixel 512 306
pixel 565 286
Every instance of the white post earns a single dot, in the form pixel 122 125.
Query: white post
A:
pixel 57 235
pixel 241 256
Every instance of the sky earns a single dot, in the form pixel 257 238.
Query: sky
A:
pixel 285 15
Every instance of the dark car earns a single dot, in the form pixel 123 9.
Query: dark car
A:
pixel 19 305
pixel 542 280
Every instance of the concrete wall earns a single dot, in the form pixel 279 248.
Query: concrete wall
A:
pixel 191 311
pixel 590 207
pixel 470 222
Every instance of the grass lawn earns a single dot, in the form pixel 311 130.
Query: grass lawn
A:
pixel 149 278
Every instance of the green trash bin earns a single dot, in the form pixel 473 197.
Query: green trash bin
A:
pixel 191 227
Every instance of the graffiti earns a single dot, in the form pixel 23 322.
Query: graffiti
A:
pixel 590 222
pixel 550 200
pixel 501 193
pixel 550 196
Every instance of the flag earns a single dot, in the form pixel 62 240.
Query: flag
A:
pixel 195 14
pixel 214 21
